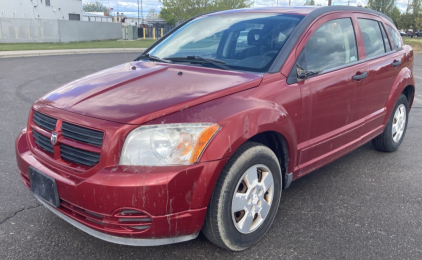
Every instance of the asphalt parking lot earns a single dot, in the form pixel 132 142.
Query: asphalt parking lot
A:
pixel 366 205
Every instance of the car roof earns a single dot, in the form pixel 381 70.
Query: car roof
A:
pixel 315 11
pixel 298 10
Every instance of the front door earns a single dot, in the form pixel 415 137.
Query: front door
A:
pixel 329 86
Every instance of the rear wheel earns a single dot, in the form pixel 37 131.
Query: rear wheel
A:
pixel 395 130
pixel 245 199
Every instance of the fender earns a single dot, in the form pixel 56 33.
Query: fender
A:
pixel 245 119
pixel 403 79
pixel 240 117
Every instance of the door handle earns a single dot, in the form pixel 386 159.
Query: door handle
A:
pixel 360 76
pixel 396 63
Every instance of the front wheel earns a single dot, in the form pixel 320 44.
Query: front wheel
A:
pixel 395 130
pixel 245 198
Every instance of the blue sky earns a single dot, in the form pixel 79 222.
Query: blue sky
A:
pixel 130 7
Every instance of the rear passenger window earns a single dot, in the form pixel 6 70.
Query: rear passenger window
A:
pixel 372 38
pixel 395 37
pixel 332 45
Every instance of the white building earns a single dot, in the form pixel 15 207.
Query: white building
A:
pixel 41 9
pixel 96 17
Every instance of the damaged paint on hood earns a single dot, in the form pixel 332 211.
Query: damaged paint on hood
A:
pixel 136 92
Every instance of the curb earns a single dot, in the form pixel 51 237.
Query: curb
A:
pixel 16 54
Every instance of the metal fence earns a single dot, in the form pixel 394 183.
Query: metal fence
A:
pixel 37 30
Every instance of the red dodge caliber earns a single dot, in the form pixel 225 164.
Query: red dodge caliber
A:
pixel 204 130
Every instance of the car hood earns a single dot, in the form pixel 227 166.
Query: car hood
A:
pixel 136 92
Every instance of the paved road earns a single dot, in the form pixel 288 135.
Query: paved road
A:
pixel 366 205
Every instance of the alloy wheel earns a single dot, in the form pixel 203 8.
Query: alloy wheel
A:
pixel 252 198
pixel 399 123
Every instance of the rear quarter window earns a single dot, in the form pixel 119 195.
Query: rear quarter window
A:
pixel 397 44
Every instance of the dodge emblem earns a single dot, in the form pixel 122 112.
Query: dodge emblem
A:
pixel 53 138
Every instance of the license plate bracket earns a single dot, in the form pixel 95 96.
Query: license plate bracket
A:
pixel 44 187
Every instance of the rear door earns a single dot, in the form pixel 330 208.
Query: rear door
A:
pixel 383 64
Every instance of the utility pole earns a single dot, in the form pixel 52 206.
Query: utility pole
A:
pixel 142 13
pixel 138 13
pixel 289 2
pixel 329 2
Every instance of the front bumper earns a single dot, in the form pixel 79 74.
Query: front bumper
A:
pixel 173 200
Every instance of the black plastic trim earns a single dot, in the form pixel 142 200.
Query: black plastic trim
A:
pixel 82 134
pixel 360 76
pixel 43 121
pixel 76 155
pixel 288 180
pixel 43 142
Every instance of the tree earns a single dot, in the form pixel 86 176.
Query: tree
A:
pixel 405 21
pixel 416 14
pixel 152 14
pixel 383 6
pixel 230 4
pixel 309 2
pixel 168 16
pixel 174 11
pixel 395 15
pixel 95 7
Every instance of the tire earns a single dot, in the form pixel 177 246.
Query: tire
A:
pixel 389 141
pixel 226 224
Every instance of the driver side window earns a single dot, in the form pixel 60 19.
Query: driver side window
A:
pixel 332 45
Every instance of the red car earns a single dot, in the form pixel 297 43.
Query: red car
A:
pixel 203 131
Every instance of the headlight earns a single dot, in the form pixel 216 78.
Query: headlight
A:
pixel 167 144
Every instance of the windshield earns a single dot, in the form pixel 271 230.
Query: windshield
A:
pixel 244 41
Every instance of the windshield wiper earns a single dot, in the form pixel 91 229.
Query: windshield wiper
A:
pixel 152 58
pixel 218 63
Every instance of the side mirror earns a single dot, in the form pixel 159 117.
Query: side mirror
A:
pixel 301 73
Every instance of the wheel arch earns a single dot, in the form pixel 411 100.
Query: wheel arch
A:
pixel 278 144
pixel 404 84
pixel 258 121
pixel 409 92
